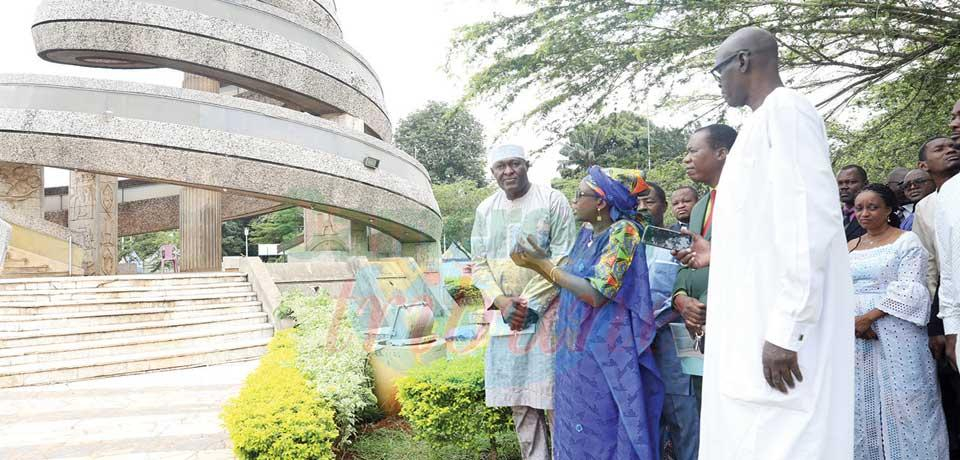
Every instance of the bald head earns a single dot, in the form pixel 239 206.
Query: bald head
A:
pixel 917 184
pixel 895 182
pixel 754 39
pixel 747 66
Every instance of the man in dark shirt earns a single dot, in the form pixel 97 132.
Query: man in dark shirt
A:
pixel 851 179
pixel 682 202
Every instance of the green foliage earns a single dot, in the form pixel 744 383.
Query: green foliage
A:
pixel 463 293
pixel 444 403
pixel 618 140
pixel 458 206
pixel 332 357
pixel 233 238
pixel 279 227
pixel 578 58
pixel 910 110
pixel 394 443
pixel 148 244
pixel 277 414
pixel 447 140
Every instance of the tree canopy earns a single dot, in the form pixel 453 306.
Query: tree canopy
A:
pixel 458 204
pixel 277 227
pixel 894 60
pixel 619 140
pixel 447 140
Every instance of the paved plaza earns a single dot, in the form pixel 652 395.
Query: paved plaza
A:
pixel 165 415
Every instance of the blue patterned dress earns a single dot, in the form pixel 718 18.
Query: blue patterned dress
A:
pixel 608 395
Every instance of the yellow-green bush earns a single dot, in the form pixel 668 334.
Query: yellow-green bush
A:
pixel 332 357
pixel 444 403
pixel 278 415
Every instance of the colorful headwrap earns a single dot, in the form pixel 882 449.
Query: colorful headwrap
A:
pixel 619 188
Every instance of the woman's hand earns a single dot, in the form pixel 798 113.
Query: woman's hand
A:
pixel 529 258
pixel 863 329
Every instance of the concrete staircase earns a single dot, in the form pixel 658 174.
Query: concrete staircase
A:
pixel 24 264
pixel 55 330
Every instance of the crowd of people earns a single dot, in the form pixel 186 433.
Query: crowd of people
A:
pixel 827 326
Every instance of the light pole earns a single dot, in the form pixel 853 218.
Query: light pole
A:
pixel 246 241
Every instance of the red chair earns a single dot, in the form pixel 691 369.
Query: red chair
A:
pixel 168 253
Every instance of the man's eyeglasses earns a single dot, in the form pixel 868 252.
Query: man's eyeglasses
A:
pixel 715 71
pixel 579 194
pixel 914 183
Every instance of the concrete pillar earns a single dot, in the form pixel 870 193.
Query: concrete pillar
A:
pixel 200 238
pixel 21 188
pixel 200 218
pixel 359 232
pixel 359 239
pixel 93 212
pixel 427 255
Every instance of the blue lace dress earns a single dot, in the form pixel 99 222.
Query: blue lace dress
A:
pixel 898 410
pixel 608 395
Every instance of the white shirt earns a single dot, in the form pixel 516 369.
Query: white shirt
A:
pixel 947 224
pixel 786 282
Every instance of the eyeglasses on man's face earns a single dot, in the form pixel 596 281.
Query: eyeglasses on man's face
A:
pixel 716 70
pixel 907 185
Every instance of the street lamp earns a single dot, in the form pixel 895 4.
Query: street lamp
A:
pixel 246 241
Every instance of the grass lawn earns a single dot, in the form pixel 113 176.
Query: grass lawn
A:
pixel 392 439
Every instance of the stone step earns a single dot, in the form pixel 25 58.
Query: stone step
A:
pixel 154 300
pixel 15 323
pixel 125 345
pixel 134 363
pixel 56 295
pixel 6 275
pixel 80 282
pixel 111 331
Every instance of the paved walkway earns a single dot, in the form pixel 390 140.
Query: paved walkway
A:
pixel 163 415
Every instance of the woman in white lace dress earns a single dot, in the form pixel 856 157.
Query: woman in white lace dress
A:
pixel 898 411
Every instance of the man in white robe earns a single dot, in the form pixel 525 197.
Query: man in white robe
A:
pixel 520 355
pixel 779 365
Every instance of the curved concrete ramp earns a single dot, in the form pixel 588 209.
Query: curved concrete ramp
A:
pixel 205 140
pixel 294 57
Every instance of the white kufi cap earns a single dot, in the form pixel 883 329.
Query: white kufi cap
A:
pixel 507 151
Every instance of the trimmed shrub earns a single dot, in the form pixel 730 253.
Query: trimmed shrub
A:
pixel 463 291
pixel 277 414
pixel 444 403
pixel 332 357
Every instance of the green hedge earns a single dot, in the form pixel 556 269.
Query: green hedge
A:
pixel 278 415
pixel 444 403
pixel 333 359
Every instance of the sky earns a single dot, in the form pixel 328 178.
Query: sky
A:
pixel 406 42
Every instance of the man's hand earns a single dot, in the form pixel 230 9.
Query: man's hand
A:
pixel 938 346
pixel 513 310
pixel 951 350
pixel 697 255
pixel 862 328
pixel 693 311
pixel 780 366
pixel 518 317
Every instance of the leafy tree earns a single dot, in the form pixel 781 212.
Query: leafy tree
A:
pixel 577 57
pixel 233 238
pixel 148 244
pixel 278 227
pixel 447 140
pixel 619 140
pixel 458 206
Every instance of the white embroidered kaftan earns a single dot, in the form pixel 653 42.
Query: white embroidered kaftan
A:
pixel 520 366
pixel 779 273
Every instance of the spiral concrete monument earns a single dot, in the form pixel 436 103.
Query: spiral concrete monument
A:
pixel 309 127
